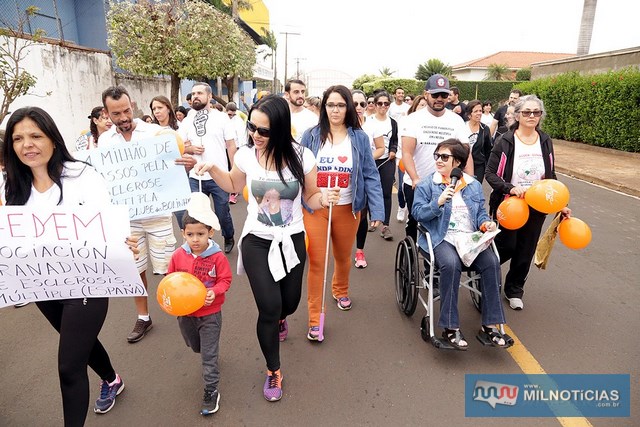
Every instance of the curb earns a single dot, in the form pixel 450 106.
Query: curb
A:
pixel 601 182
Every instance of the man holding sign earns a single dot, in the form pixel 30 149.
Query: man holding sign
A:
pixel 154 231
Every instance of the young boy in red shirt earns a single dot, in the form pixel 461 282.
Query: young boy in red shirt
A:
pixel 203 258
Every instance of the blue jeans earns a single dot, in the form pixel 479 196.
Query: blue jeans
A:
pixel 450 267
pixel 220 204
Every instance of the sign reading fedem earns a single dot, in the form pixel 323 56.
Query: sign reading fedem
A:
pixel 64 252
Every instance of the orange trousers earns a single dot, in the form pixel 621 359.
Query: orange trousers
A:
pixel 343 234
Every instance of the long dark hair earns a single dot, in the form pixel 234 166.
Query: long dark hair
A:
pixel 284 150
pixel 19 175
pixel 96 113
pixel 350 118
pixel 173 120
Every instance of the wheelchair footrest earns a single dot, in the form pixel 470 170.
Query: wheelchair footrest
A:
pixel 441 344
pixel 485 340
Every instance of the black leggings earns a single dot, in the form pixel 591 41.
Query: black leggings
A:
pixel 363 228
pixel 387 170
pixel 79 322
pixel 275 300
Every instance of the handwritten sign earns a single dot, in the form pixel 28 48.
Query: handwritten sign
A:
pixel 142 175
pixel 65 252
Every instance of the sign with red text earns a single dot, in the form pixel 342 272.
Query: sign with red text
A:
pixel 64 253
pixel 142 175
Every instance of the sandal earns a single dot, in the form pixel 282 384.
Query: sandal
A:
pixel 494 337
pixel 455 338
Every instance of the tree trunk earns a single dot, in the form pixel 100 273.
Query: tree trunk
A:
pixel 586 26
pixel 175 90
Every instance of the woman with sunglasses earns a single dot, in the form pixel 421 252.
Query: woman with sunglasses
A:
pixel 339 145
pixel 371 108
pixel 383 129
pixel 450 213
pixel 523 148
pixel 273 256
pixel 99 122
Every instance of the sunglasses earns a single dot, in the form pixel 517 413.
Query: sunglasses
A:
pixel 383 104
pixel 444 157
pixel 370 102
pixel 361 103
pixel 264 132
pixel 443 95
pixel 529 113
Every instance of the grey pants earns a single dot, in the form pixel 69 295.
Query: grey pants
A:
pixel 202 335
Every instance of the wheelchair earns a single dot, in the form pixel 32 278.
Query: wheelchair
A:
pixel 410 279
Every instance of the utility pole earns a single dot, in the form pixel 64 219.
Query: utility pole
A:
pixel 286 51
pixel 298 66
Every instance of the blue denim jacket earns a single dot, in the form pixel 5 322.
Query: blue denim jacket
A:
pixel 436 219
pixel 365 179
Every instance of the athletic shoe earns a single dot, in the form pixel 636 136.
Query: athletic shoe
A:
pixel 344 303
pixel 314 333
pixel 371 228
pixel 361 262
pixel 386 233
pixel 272 389
pixel 140 329
pixel 401 214
pixel 210 402
pixel 283 330
pixel 233 198
pixel 108 393
pixel 515 303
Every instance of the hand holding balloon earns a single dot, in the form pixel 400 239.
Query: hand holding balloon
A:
pixel 211 296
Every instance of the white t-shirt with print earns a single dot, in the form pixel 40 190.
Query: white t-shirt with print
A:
pixel 460 221
pixel 429 131
pixel 376 128
pixel 398 111
pixel 528 165
pixel 211 129
pixel 337 158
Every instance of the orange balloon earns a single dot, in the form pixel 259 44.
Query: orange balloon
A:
pixel 513 213
pixel 547 196
pixel 245 193
pixel 574 233
pixel 181 293
pixel 179 140
pixel 401 166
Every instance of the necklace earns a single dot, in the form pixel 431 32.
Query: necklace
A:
pixel 528 140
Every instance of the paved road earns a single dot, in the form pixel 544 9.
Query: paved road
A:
pixel 581 316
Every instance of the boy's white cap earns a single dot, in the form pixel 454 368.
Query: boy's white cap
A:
pixel 199 207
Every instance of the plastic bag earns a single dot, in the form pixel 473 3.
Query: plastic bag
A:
pixel 469 245
pixel 545 244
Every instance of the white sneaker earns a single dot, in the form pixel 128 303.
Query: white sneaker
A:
pixel 515 303
pixel 401 214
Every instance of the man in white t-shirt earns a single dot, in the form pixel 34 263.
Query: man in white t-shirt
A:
pixel 157 231
pixel 398 107
pixel 209 136
pixel 301 118
pixel 240 126
pixel 421 132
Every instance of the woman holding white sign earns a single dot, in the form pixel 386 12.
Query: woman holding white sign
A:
pixel 41 172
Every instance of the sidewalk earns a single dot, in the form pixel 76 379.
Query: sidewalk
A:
pixel 617 170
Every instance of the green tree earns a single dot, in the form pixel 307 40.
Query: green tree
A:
pixel 270 40
pixel 498 72
pixel 523 74
pixel 386 72
pixel 431 67
pixel 189 39
pixel 365 78
pixel 15 80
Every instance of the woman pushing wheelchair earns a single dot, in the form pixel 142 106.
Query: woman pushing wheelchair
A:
pixel 450 212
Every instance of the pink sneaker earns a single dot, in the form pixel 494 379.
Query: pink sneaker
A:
pixel 283 330
pixel 361 262
pixel 344 303
pixel 233 198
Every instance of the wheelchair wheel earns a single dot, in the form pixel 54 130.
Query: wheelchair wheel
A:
pixel 424 328
pixel 475 298
pixel 406 276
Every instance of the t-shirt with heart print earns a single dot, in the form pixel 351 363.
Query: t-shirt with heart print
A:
pixel 337 158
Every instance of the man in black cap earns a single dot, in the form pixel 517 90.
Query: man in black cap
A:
pixel 422 131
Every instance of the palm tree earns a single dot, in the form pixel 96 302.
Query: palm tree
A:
pixel 386 72
pixel 431 67
pixel 269 39
pixel 586 26
pixel 498 72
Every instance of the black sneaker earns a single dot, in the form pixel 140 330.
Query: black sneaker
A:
pixel 210 402
pixel 228 244
pixel 139 330
pixel 108 393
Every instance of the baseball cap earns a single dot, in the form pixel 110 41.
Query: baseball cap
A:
pixel 437 83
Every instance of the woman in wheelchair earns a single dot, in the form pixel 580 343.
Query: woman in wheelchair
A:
pixel 447 212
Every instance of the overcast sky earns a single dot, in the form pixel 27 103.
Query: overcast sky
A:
pixel 361 37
